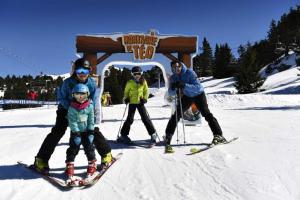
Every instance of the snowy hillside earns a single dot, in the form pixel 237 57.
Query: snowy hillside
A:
pixel 263 164
pixel 280 64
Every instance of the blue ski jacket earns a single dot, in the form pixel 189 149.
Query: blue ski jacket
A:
pixel 64 94
pixel 192 87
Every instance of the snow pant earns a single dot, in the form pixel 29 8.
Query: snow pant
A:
pixel 57 132
pixel 130 117
pixel 201 103
pixel 76 139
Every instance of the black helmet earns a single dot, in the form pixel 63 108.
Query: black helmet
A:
pixel 82 63
pixel 136 69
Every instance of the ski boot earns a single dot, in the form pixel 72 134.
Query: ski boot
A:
pixel 169 149
pixel 106 160
pixel 218 139
pixel 153 139
pixel 69 171
pixel 92 168
pixel 124 139
pixel 41 166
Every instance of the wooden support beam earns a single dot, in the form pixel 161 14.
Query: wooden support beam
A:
pixel 103 57
pixel 170 56
pixel 186 59
pixel 92 57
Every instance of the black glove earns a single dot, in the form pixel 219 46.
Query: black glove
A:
pixel 178 84
pixel 126 101
pixel 143 101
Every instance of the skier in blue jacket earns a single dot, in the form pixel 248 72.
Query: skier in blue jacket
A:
pixel 184 82
pixel 64 96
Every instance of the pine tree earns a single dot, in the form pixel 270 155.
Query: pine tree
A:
pixel 223 59
pixel 202 63
pixel 247 78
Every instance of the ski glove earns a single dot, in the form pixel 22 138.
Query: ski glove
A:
pixel 178 84
pixel 126 101
pixel 143 101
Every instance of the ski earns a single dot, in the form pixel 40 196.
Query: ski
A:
pixel 90 181
pixel 198 150
pixel 60 183
pixel 75 181
pixel 140 143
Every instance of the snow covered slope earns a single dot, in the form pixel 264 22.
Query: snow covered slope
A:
pixel 263 164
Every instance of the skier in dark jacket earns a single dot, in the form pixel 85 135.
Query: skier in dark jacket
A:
pixel 184 82
pixel 80 75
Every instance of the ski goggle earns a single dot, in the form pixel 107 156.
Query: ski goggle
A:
pixel 82 71
pixel 137 74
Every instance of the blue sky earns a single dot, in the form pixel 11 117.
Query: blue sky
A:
pixel 39 35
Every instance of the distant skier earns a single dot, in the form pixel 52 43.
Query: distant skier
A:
pixel 81 123
pixel 64 96
pixel 136 94
pixel 184 82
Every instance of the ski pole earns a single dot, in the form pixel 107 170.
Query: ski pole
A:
pixel 122 121
pixel 180 104
pixel 176 114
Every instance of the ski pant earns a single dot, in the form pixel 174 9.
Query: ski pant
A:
pixel 130 117
pixel 76 139
pixel 57 132
pixel 201 103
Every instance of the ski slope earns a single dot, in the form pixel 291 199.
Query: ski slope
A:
pixel 263 164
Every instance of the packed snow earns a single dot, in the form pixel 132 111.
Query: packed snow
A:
pixel 262 164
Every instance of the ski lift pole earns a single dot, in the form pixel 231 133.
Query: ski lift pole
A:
pixel 122 121
pixel 180 104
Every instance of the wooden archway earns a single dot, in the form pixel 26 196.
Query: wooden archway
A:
pixel 90 45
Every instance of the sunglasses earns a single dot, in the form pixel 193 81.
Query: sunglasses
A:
pixel 137 74
pixel 82 71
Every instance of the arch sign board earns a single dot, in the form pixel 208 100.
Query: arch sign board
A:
pixel 142 46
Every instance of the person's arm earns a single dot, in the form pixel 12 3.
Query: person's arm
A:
pixel 72 119
pixel 63 95
pixel 92 89
pixel 126 90
pixel 90 119
pixel 145 91
pixel 171 91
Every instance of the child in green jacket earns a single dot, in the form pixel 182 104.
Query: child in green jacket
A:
pixel 81 123
pixel 136 94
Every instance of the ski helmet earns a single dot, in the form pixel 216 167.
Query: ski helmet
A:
pixel 136 69
pixel 80 88
pixel 82 63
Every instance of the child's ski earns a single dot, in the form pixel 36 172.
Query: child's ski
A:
pixel 198 150
pixel 90 181
pixel 75 181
